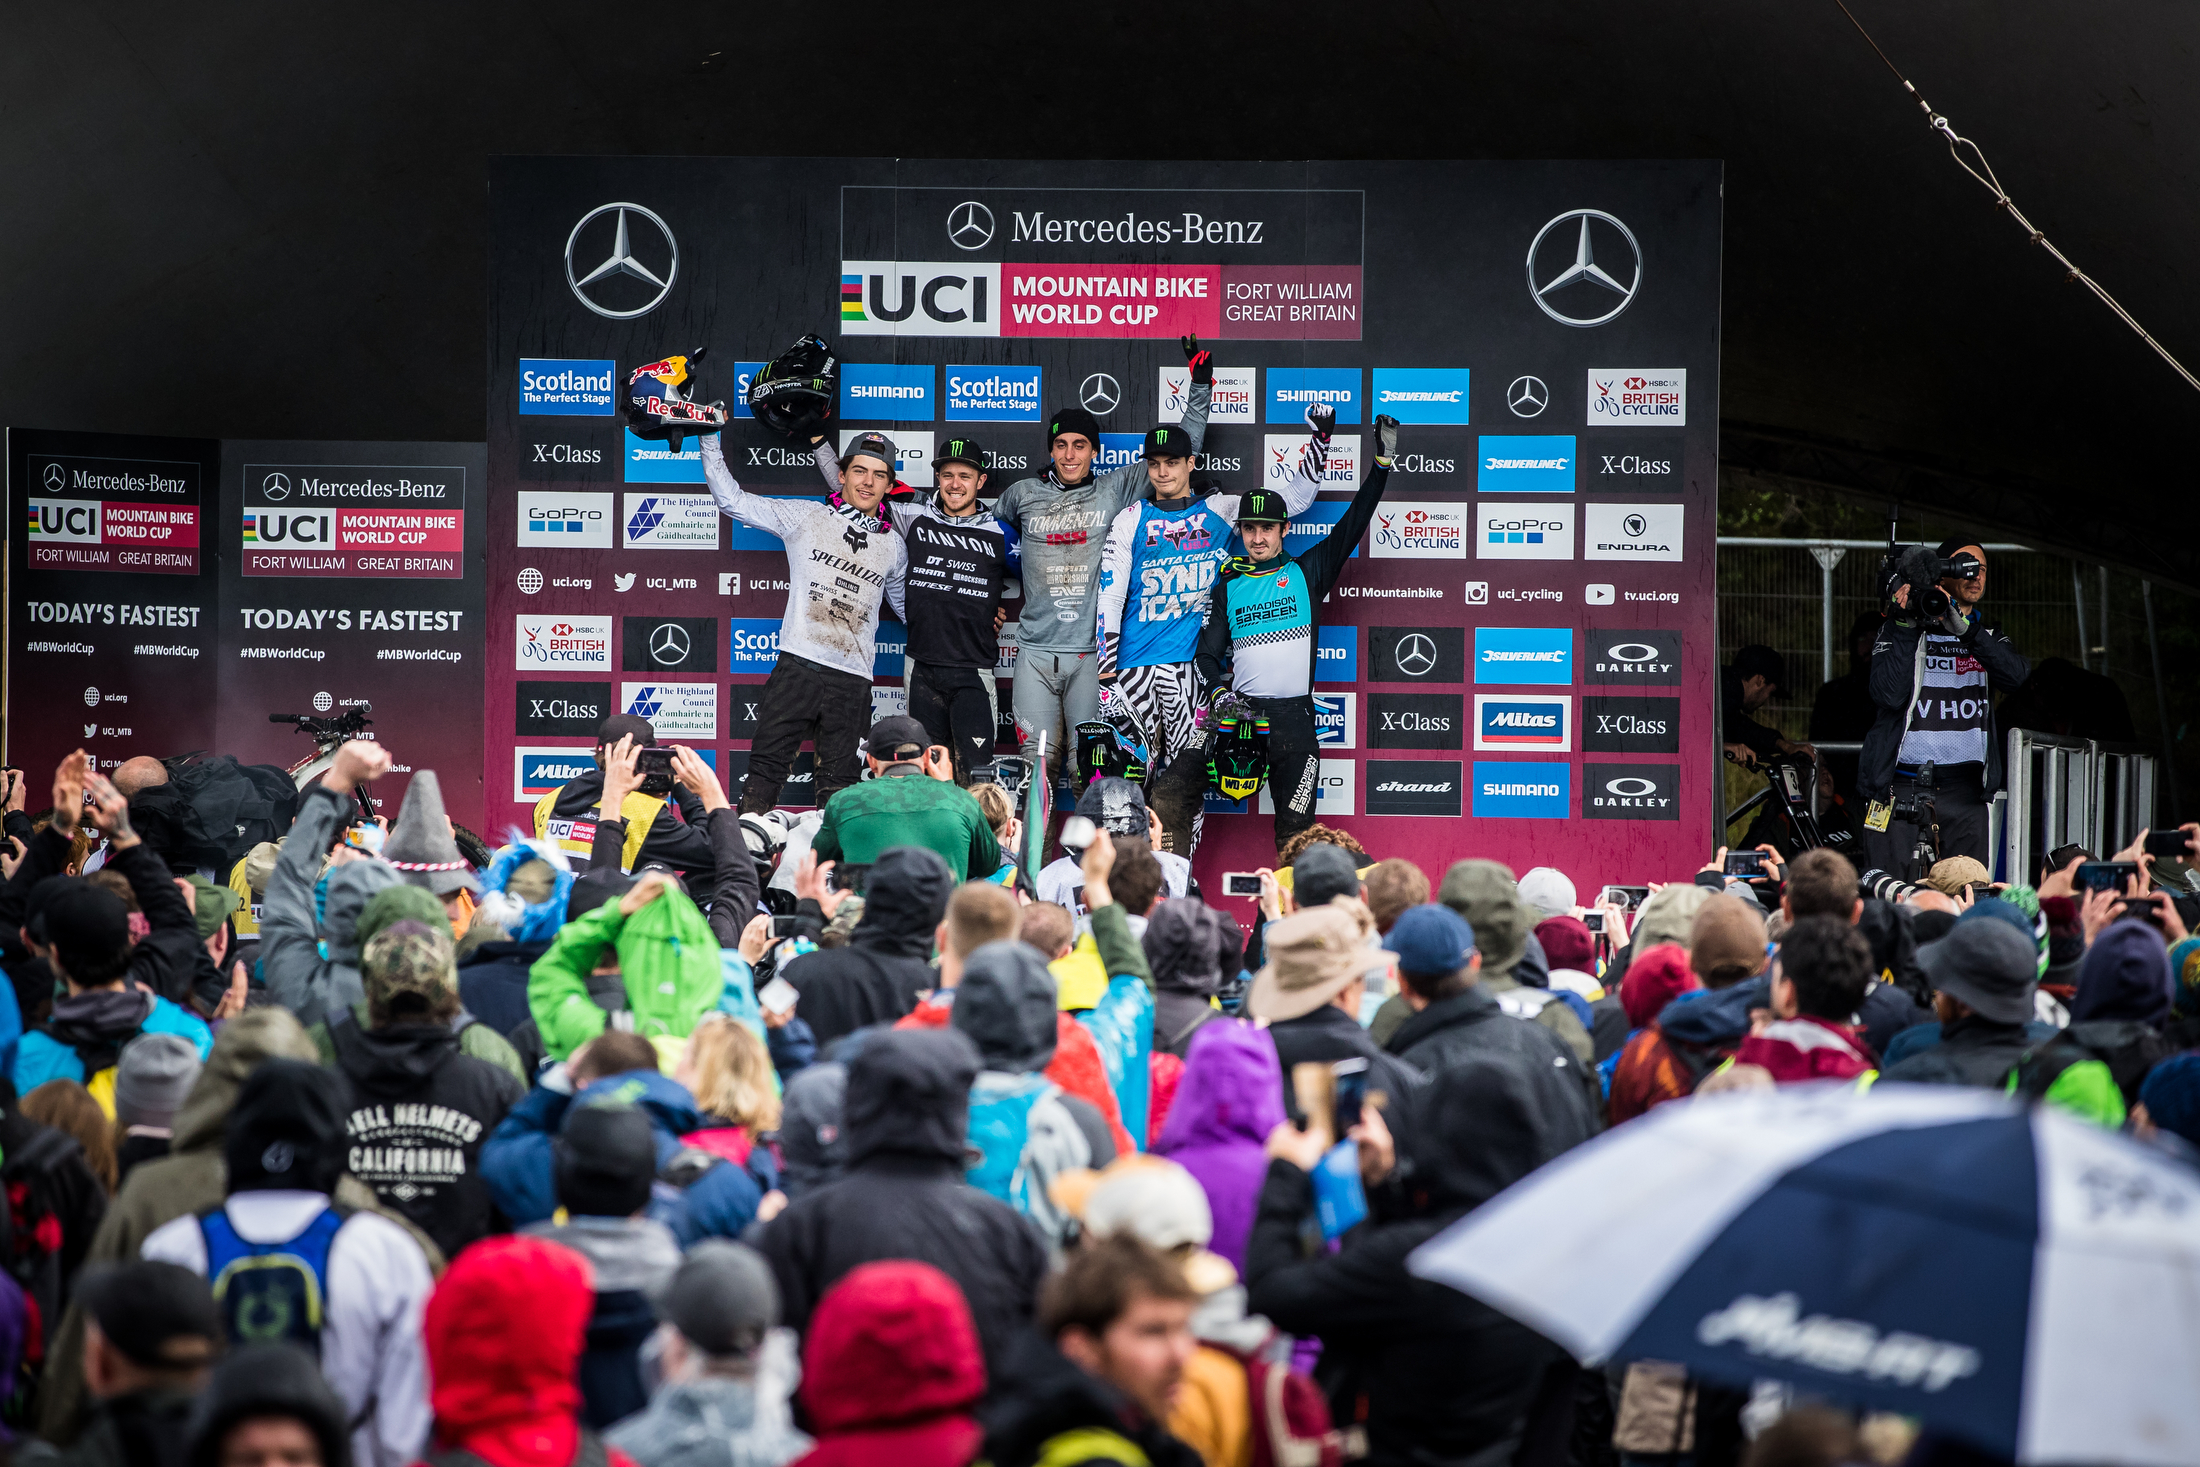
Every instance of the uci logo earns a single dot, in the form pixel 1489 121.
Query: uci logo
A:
pixel 303 527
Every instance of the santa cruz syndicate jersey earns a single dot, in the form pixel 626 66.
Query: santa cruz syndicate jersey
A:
pixel 1159 565
pixel 1064 528
pixel 840 561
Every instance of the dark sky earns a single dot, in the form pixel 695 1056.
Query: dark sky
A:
pixel 267 221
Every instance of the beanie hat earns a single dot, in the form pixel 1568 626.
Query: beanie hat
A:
pixel 421 846
pixel 2171 1095
pixel 1567 943
pixel 1726 942
pixel 153 1076
pixel 2184 976
pixel 88 929
pixel 722 1297
pixel 901 1321
pixel 604 1161
pixel 286 1131
pixel 159 1315
pixel 1548 890
pixel 1654 979
pixel 2125 975
pixel 1073 420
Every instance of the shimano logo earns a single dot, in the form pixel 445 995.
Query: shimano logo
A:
pixel 910 394
pixel 1341 395
pixel 1545 791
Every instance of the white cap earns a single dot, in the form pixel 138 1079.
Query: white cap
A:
pixel 1548 890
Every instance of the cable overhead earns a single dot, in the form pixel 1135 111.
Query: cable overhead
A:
pixel 1984 173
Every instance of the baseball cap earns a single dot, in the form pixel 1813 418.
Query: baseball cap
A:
pixel 872 444
pixel 160 1315
pixel 1955 873
pixel 604 1161
pixel 722 1297
pixel 1548 890
pixel 1753 661
pixel 88 928
pixel 211 905
pixel 1168 442
pixel 1988 965
pixel 890 737
pixel 1323 871
pixel 1263 507
pixel 1431 941
pixel 409 959
pixel 960 451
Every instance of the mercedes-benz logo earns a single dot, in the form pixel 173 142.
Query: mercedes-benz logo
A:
pixel 1416 655
pixel 1634 525
pixel 669 644
pixel 276 487
pixel 1583 268
pixel 970 226
pixel 56 476
pixel 622 261
pixel 1527 396
pixel 1100 393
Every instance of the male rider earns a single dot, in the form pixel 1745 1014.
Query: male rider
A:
pixel 1260 618
pixel 961 560
pixel 1063 516
pixel 842 557
pixel 1156 572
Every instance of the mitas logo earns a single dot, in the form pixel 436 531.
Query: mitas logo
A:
pixel 1510 721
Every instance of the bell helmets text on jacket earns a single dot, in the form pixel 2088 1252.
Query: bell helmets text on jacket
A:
pixel 1064 529
pixel 840 563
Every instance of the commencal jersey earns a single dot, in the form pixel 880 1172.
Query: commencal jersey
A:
pixel 1064 528
pixel 960 566
pixel 840 562
pixel 1260 615
pixel 1159 566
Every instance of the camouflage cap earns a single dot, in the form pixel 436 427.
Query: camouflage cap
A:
pixel 408 959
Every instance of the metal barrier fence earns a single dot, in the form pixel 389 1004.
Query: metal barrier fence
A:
pixel 2063 791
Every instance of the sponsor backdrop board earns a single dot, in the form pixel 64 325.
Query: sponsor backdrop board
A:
pixel 1548 332
pixel 180 591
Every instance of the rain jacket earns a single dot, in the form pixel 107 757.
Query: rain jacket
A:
pixel 668 961
pixel 421 1112
pixel 309 943
pixel 713 1421
pixel 1120 1017
pixel 1230 1098
pixel 905 1123
pixel 192 1178
pixel 1021 1127
pixel 517 1162
pixel 1076 1067
pixel 1807 1048
pixel 630 1259
pixel 876 978
pixel 1184 946
pixel 1689 1039
pixel 892 1370
pixel 1474 1022
pixel 84 1036
pixel 504 1332
pixel 1436 1376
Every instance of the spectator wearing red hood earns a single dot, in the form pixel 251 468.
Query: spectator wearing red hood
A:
pixel 1818 983
pixel 504 1331
pixel 891 1371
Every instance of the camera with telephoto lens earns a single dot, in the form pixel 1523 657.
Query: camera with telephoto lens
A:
pixel 1886 886
pixel 1918 568
pixel 1919 809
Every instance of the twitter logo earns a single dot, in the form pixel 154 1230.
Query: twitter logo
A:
pixel 623 583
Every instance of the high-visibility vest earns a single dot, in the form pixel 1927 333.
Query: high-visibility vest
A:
pixel 577 837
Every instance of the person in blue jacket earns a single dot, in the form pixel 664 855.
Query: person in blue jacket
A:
pixel 697 1195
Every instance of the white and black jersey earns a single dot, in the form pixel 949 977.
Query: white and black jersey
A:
pixel 1952 716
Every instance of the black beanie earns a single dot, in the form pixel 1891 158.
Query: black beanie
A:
pixel 88 928
pixel 1073 420
pixel 594 890
pixel 286 1130
pixel 605 1160
pixel 1953 543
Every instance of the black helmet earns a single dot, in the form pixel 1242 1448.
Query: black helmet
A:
pixel 1115 744
pixel 660 401
pixel 795 394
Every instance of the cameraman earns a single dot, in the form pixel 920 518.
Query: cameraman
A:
pixel 570 813
pixel 1933 670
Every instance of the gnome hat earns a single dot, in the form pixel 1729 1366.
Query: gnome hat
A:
pixel 420 844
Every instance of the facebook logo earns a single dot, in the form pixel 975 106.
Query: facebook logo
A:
pixel 1292 390
pixel 884 390
pixel 1522 791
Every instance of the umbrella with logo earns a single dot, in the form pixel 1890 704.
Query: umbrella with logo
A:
pixel 2011 1276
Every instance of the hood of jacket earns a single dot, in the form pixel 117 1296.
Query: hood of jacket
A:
pixel 892 1342
pixel 1231 1090
pixel 1183 942
pixel 623 1252
pixel 1005 1003
pixel 1718 1017
pixel 909 1095
pixel 346 891
pixel 1485 893
pixel 504 1331
pixel 903 901
pixel 2125 976
pixel 1894 948
pixel 669 965
pixel 267 1380
pixel 395 1060
pixel 671 1110
pixel 812 1145
pixel 239 1047
pixel 1480 1126
pixel 1668 915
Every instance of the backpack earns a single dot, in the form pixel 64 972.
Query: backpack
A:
pixel 270 1292
pixel 1290 1415
pixel 218 809
pixel 2066 1072
pixel 1000 1128
pixel 30 1230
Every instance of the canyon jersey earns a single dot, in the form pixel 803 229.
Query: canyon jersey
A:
pixel 1064 530
pixel 1159 565
pixel 840 563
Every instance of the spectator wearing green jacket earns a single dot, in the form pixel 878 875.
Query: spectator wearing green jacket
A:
pixel 911 799
pixel 669 964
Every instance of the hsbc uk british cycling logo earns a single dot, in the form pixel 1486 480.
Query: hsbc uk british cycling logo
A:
pixel 1575 278
pixel 647 254
pixel 970 225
